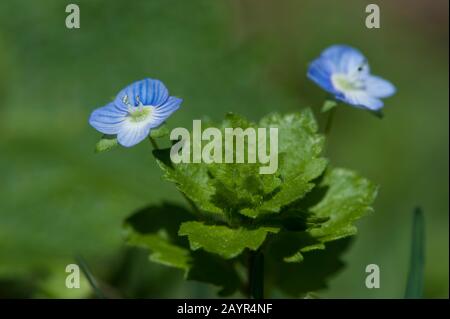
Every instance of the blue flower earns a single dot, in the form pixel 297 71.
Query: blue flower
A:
pixel 138 108
pixel 344 72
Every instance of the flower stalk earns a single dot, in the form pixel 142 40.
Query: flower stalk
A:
pixel 256 274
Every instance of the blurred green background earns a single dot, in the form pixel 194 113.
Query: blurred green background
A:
pixel 58 199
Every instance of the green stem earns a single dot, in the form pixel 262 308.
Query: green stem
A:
pixel 191 203
pixel 92 281
pixel 256 275
pixel 330 118
pixel 153 142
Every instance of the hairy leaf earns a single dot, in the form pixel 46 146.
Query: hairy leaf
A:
pixel 341 198
pixel 222 240
pixel 348 198
pixel 155 229
pixel 190 179
pixel 299 147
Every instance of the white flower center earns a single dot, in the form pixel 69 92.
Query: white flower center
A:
pixel 343 82
pixel 138 113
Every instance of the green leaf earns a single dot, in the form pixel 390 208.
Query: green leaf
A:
pixel 190 179
pixel 160 131
pixel 222 240
pixel 155 229
pixel 292 189
pixel 163 252
pixel 214 270
pixel 221 188
pixel 106 143
pixel 151 229
pixel 312 274
pixel 348 198
pixel 328 105
pixel 240 186
pixel 341 197
pixel 298 142
pixel 414 288
pixel 299 147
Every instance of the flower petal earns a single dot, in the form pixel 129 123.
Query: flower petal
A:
pixel 320 71
pixel 346 59
pixel 147 91
pixel 132 133
pixel 361 99
pixel 107 119
pixel 378 87
pixel 162 112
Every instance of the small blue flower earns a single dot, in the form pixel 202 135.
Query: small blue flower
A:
pixel 344 72
pixel 140 107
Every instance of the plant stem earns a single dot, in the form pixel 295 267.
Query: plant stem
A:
pixel 91 279
pixel 256 275
pixel 153 142
pixel 330 118
pixel 191 203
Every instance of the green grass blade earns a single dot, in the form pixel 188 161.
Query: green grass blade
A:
pixel 414 287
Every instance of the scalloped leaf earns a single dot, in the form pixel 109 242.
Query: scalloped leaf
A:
pixel 299 147
pixel 349 197
pixel 312 274
pixel 155 228
pixel 341 198
pixel 220 188
pixel 190 179
pixel 222 240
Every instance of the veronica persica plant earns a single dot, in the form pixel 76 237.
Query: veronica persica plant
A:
pixel 344 72
pixel 137 109
pixel 242 231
